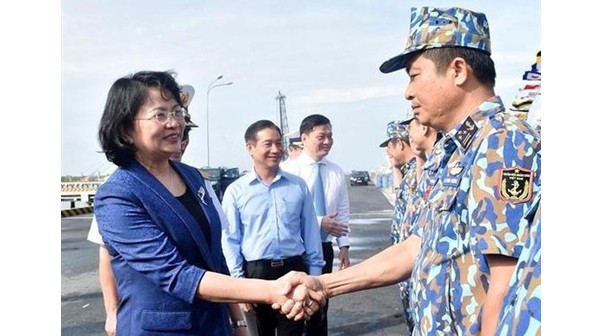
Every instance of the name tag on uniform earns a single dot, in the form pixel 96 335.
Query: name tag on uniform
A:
pixel 452 177
pixel 451 181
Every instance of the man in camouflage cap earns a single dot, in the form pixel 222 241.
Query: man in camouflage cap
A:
pixel 398 147
pixel 466 242
pixel 471 232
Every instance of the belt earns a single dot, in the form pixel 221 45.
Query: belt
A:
pixel 277 262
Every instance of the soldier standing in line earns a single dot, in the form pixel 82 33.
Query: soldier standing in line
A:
pixel 398 147
pixel 469 235
pixel 399 150
pixel 422 141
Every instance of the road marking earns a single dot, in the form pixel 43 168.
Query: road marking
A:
pixel 376 212
pixel 365 221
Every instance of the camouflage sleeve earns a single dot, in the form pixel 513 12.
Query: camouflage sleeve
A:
pixel 504 179
pixel 420 204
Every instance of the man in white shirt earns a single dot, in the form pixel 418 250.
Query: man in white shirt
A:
pixel 333 216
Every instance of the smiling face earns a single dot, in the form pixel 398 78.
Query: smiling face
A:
pixel 318 142
pixel 266 150
pixel 153 141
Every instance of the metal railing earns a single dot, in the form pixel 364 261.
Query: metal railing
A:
pixel 78 191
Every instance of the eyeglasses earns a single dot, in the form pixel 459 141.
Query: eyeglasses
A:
pixel 163 117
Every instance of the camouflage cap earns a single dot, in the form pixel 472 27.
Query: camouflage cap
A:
pixel 442 27
pixel 395 130
pixel 187 92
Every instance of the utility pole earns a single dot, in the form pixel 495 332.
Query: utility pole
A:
pixel 209 88
pixel 283 123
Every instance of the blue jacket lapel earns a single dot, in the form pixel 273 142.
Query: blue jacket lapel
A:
pixel 173 217
pixel 194 180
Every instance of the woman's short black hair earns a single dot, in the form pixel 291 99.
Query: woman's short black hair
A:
pixel 125 98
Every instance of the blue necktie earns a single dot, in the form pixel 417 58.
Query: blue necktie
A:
pixel 319 197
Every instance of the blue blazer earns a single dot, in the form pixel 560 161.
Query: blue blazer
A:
pixel 160 254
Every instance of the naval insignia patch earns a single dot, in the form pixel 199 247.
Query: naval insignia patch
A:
pixel 516 184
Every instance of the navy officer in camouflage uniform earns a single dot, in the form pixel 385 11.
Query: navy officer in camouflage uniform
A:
pixel 398 147
pixel 422 141
pixel 468 237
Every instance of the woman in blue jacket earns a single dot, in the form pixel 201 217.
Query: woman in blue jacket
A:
pixel 162 228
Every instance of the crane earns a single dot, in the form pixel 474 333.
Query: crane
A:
pixel 283 122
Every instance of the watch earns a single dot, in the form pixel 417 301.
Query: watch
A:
pixel 238 324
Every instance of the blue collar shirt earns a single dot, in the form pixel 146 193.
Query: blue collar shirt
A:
pixel 273 221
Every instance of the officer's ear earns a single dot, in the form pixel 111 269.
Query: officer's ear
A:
pixel 460 70
pixel 402 144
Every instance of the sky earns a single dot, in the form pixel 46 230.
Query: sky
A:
pixel 60 58
pixel 322 56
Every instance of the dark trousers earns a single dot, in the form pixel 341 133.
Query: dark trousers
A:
pixel 318 323
pixel 269 320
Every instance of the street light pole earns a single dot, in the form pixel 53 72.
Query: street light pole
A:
pixel 211 86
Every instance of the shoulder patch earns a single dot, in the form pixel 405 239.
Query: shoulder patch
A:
pixel 516 184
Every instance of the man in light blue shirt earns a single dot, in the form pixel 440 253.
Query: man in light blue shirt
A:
pixel 272 228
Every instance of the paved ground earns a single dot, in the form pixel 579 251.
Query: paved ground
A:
pixel 364 313
pixel 370 312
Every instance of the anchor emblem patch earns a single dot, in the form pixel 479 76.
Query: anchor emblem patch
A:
pixel 516 184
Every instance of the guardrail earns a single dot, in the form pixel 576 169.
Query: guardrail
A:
pixel 76 211
pixel 78 192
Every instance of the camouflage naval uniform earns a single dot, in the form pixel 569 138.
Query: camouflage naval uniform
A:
pixel 521 314
pixel 485 184
pixel 403 195
pixel 401 229
pixel 413 209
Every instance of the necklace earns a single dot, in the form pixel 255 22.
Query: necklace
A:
pixel 166 181
pixel 171 181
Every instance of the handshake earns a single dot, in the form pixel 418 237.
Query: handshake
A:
pixel 298 295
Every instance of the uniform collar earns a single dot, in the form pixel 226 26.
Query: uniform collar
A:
pixel 464 132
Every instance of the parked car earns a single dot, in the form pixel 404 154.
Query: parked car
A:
pixel 359 177
pixel 228 175
pixel 220 178
pixel 213 175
